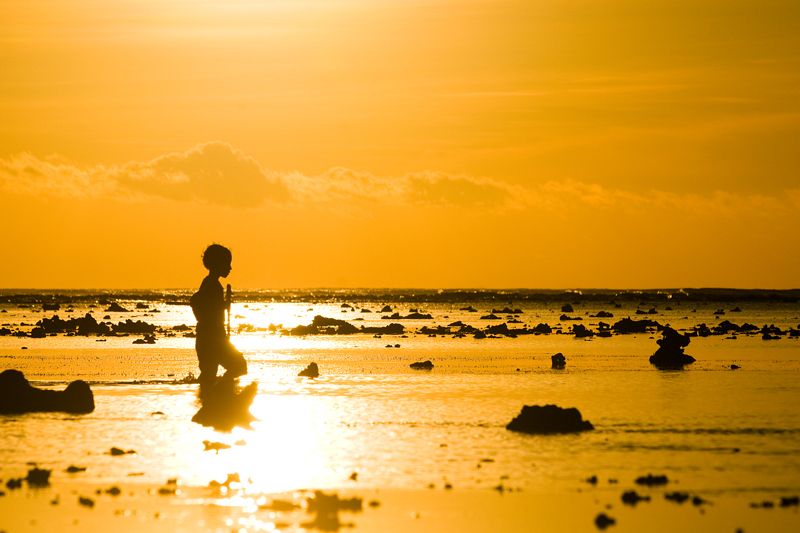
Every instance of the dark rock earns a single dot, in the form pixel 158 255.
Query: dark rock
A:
pixel 580 331
pixel 565 318
pixel 626 325
pixel 603 521
pixel 38 477
pixel 670 352
pixel 18 396
pixel 116 308
pixel 651 481
pixel 677 497
pixel 549 419
pixel 558 361
pixel 735 367
pixel 490 317
pixel 427 365
pixel 792 501
pixel 469 309
pixel 567 308
pixel 543 328
pixel 507 311
pixel 119 451
pixel 51 307
pixel 386 309
pixel 632 498
pixel 311 371
pixel 603 314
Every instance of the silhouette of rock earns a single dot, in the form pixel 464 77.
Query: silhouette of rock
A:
pixel 490 317
pixel 427 365
pixel 626 325
pixel 18 396
pixel 38 477
pixel 311 371
pixel 580 331
pixel 565 318
pixel 51 307
pixel 670 352
pixel 507 311
pixel 386 309
pixel 469 309
pixel 632 498
pixel 603 521
pixel 543 328
pixel 603 314
pixel 549 419
pixel 567 308
pixel 225 406
pixel 677 497
pixel 651 481
pixel 116 308
pixel 558 361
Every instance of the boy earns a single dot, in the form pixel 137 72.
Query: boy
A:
pixel 213 346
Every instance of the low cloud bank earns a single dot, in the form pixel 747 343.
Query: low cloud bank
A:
pixel 215 173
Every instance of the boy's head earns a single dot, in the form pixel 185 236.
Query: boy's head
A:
pixel 217 259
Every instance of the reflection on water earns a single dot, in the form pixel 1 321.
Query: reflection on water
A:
pixel 712 432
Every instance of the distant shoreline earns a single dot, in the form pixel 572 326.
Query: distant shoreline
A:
pixel 411 295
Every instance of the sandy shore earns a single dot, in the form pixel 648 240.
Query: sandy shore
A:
pixel 143 507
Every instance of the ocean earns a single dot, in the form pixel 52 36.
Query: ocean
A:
pixel 370 421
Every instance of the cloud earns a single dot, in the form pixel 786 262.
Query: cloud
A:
pixel 212 173
pixel 215 173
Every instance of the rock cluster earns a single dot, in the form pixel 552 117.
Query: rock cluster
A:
pixel 18 396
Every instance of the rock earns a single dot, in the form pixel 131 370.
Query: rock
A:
pixel 116 308
pixel 38 477
pixel 490 317
pixel 469 309
pixel 427 365
pixel 18 396
pixel 558 360
pixel 549 419
pixel 386 309
pixel 626 325
pixel 603 521
pixel 565 318
pixel 580 331
pixel 651 481
pixel 119 451
pixel 632 498
pixel 311 371
pixel 670 352
pixel 677 497
pixel 603 314
pixel 567 308
pixel 72 469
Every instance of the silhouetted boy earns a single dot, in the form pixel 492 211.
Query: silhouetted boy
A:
pixel 213 346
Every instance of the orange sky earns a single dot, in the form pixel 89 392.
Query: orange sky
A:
pixel 401 143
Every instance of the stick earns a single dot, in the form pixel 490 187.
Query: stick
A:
pixel 228 299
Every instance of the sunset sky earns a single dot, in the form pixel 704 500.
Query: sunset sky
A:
pixel 401 143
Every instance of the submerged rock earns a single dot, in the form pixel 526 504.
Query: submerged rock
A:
pixel 311 371
pixel 558 360
pixel 427 365
pixel 18 396
pixel 670 352
pixel 549 419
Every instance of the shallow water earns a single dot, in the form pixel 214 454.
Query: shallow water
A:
pixel 710 429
